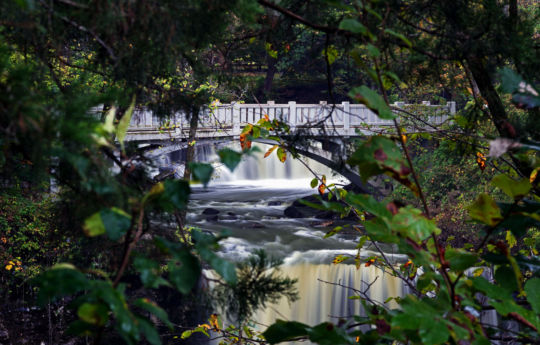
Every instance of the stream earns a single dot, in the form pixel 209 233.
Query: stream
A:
pixel 250 204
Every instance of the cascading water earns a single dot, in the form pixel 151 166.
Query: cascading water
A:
pixel 250 202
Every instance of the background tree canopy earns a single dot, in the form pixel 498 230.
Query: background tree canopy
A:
pixel 77 201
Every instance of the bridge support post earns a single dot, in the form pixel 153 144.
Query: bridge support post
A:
pixel 452 107
pixel 147 118
pixel 236 120
pixel 346 119
pixel 292 115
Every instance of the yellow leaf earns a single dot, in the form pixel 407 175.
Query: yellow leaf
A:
pixel 214 321
pixel 534 174
pixel 478 272
pixel 270 151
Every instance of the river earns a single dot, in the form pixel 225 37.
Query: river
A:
pixel 249 204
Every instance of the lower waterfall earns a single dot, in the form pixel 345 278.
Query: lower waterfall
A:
pixel 325 292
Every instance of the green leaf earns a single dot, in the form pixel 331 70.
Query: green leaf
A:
pixel 373 51
pixel 491 290
pixel 123 125
pixel 153 308
pixel 281 154
pixel 175 195
pixel 230 158
pixel 256 132
pixel 400 36
pixel 366 202
pixel 285 330
pixel 328 334
pixel 201 172
pixel 512 188
pixel 378 155
pixel 149 272
pixel 204 243
pixel 410 222
pixel 330 53
pixel 184 271
pixel 115 299
pixel 532 288
pixel 378 230
pixel 505 277
pixel 116 222
pixel 93 225
pixel 108 126
pixel 149 330
pixel 460 259
pixel 510 80
pixel 314 182
pixel 373 101
pixel 485 210
pixel 113 221
pixel 61 280
pixel 353 26
pixel 225 268
pixel 94 314
pixel 433 332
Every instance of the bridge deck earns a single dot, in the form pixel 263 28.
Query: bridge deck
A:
pixel 227 120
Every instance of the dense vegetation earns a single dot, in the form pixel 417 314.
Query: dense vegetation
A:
pixel 77 201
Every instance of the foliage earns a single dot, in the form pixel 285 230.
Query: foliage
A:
pixel 71 74
pixel 29 240
pixel 259 283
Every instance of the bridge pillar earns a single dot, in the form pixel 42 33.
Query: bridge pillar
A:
pixel 236 120
pixel 292 115
pixel 452 107
pixel 346 118
pixel 147 118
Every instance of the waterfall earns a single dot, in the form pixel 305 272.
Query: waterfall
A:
pixel 322 300
pixel 249 203
pixel 252 167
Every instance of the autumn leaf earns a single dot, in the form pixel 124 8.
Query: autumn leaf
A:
pixel 369 262
pixel 322 186
pixel 282 155
pixel 270 151
pixel 481 160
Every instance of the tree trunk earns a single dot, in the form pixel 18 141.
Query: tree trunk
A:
pixel 495 106
pixel 190 150
pixel 270 73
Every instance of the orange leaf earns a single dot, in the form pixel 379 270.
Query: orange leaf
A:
pixel 270 151
pixel 214 321
pixel 481 160
pixel 407 264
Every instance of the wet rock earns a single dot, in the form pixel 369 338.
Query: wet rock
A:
pixel 212 218
pixel 230 216
pixel 210 211
pixel 255 225
pixel 274 203
pixel 293 212
pixel 325 215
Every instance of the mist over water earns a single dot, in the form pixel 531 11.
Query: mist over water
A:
pixel 249 204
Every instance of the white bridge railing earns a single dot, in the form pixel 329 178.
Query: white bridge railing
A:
pixel 227 120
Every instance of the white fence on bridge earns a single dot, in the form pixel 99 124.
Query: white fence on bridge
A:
pixel 227 120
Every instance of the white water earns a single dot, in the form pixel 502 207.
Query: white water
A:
pixel 242 200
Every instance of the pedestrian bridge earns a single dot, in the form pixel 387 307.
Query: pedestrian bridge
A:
pixel 225 121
